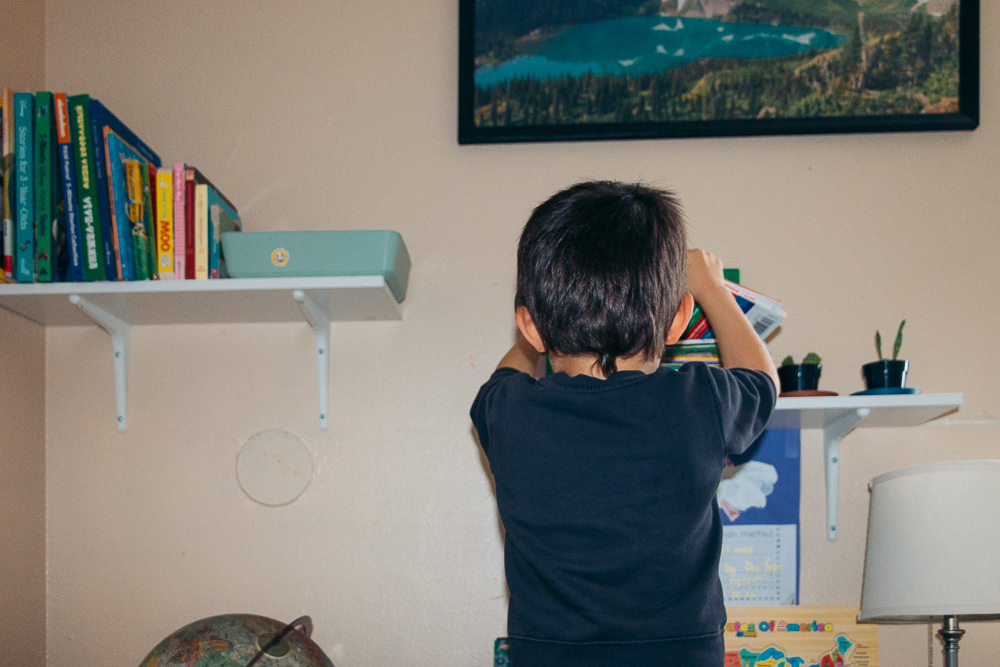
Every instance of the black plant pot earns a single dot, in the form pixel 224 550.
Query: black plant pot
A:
pixel 885 373
pixel 799 377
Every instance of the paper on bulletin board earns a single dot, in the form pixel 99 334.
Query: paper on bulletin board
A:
pixel 793 636
pixel 759 503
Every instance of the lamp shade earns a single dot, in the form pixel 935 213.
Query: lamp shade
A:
pixel 933 544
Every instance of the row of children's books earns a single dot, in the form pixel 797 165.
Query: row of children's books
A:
pixel 85 199
pixel 697 343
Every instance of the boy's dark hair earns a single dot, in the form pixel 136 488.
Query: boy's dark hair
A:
pixel 602 269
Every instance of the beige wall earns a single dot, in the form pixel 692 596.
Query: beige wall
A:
pixel 22 408
pixel 317 115
pixel 22 491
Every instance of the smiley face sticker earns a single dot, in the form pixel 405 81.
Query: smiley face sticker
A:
pixel 279 257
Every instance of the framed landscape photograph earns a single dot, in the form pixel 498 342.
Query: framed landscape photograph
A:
pixel 551 70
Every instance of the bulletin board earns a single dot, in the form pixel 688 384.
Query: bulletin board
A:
pixel 759 503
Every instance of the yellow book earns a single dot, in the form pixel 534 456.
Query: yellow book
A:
pixel 201 231
pixel 165 222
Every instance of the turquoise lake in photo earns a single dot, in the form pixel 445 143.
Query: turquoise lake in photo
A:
pixel 641 45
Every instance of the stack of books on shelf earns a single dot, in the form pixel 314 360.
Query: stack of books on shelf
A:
pixel 697 343
pixel 85 199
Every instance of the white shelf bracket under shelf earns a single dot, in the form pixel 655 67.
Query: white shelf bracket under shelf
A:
pixel 320 324
pixel 833 433
pixel 121 335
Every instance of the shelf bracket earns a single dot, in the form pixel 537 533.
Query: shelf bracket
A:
pixel 121 336
pixel 320 324
pixel 833 433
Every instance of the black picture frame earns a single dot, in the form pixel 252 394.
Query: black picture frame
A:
pixel 965 118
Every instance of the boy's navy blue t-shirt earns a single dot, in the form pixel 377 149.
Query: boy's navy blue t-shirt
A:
pixel 606 490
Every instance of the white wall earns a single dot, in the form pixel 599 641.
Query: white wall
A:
pixel 318 115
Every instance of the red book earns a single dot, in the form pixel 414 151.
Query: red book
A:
pixel 189 178
pixel 699 329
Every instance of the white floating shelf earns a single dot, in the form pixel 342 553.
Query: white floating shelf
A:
pixel 117 306
pixel 839 415
pixel 343 299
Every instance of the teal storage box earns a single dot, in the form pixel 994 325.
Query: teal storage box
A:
pixel 319 253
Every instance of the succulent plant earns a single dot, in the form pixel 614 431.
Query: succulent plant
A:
pixel 811 358
pixel 895 346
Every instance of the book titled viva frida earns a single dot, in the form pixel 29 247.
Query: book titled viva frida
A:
pixel 86 186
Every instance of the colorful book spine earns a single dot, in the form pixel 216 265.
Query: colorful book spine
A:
pixel 189 183
pixel 24 158
pixel 222 218
pixel 180 224
pixel 45 201
pixel 165 223
pixel 101 117
pixel 763 312
pixel 201 231
pixel 67 171
pixel 136 211
pixel 149 200
pixel 752 296
pixel 9 191
pixel 117 153
pixel 699 330
pixel 86 186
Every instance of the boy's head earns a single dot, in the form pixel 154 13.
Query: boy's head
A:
pixel 602 270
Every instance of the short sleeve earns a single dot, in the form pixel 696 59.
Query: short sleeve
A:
pixel 746 399
pixel 480 411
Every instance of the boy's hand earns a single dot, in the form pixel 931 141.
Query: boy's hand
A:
pixel 739 345
pixel 704 273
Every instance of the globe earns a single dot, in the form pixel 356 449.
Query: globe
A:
pixel 239 640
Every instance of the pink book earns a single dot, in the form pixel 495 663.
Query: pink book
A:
pixel 179 235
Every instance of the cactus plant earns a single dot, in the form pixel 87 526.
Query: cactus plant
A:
pixel 895 346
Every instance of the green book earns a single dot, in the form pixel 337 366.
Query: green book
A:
pixel 45 190
pixel 86 185
pixel 148 222
pixel 137 196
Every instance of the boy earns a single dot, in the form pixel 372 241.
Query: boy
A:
pixel 606 470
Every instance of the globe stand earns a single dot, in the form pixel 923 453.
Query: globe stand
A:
pixel 276 646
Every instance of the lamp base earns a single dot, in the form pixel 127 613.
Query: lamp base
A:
pixel 950 634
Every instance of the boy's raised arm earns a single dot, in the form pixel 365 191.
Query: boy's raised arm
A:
pixel 522 356
pixel 739 345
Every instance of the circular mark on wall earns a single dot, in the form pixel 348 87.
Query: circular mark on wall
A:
pixel 274 467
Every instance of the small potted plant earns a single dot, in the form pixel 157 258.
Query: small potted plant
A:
pixel 887 373
pixel 800 377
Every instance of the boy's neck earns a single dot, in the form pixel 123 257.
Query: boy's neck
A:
pixel 586 364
